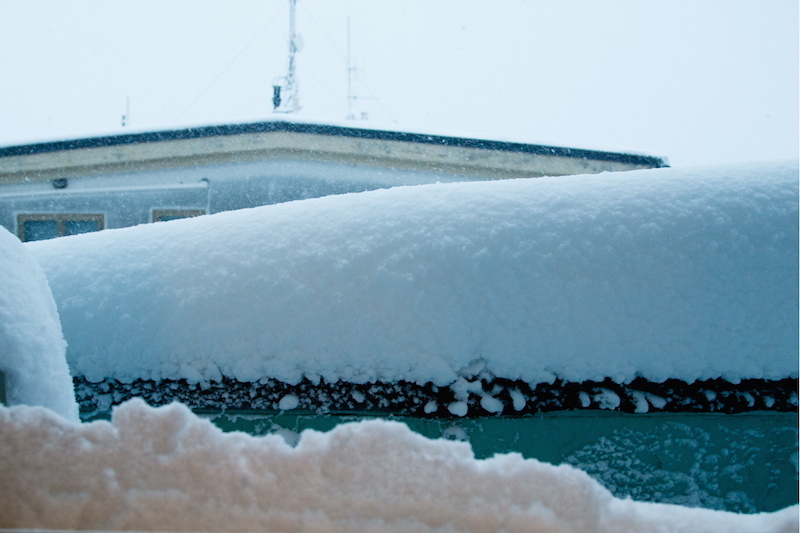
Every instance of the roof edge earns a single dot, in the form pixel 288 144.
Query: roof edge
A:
pixel 321 129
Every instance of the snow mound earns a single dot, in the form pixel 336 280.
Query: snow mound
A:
pixel 167 470
pixel 32 347
pixel 669 273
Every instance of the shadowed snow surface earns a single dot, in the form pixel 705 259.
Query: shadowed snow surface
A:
pixel 32 347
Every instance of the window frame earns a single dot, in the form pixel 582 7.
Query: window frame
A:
pixel 59 219
pixel 173 214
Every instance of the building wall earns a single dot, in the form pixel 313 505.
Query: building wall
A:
pixel 134 179
pixel 129 199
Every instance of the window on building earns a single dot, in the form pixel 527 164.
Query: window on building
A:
pixel 37 227
pixel 163 215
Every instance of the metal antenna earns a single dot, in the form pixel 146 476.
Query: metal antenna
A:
pixel 351 98
pixel 284 90
pixel 126 118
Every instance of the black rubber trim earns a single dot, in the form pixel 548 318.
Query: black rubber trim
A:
pixel 428 400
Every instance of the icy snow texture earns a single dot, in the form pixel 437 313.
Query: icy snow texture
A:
pixel 167 470
pixel 668 273
pixel 694 466
pixel 32 347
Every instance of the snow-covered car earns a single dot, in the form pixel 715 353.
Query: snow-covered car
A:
pixel 615 322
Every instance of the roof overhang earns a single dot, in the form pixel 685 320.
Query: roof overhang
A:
pixel 274 140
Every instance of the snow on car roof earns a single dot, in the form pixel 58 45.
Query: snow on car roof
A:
pixel 669 273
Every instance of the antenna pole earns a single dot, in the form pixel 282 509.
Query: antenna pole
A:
pixel 285 98
pixel 126 118
pixel 290 79
pixel 350 96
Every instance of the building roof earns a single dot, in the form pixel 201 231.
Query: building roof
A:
pixel 297 140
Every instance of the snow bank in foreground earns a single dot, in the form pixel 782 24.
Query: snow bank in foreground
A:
pixel 668 273
pixel 32 347
pixel 166 470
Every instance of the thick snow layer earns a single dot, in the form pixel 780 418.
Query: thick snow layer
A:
pixel 167 470
pixel 668 273
pixel 32 347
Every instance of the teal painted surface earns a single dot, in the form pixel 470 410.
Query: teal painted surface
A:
pixel 743 463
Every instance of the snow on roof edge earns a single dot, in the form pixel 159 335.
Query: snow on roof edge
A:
pixel 328 128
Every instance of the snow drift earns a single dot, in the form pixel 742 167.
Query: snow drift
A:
pixel 688 274
pixel 32 347
pixel 167 470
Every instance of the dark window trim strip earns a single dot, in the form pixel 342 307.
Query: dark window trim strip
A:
pixel 319 129
pixel 428 401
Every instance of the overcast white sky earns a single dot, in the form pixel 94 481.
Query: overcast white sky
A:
pixel 696 81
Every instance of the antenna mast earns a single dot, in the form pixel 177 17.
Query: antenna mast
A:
pixel 351 98
pixel 126 118
pixel 284 90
